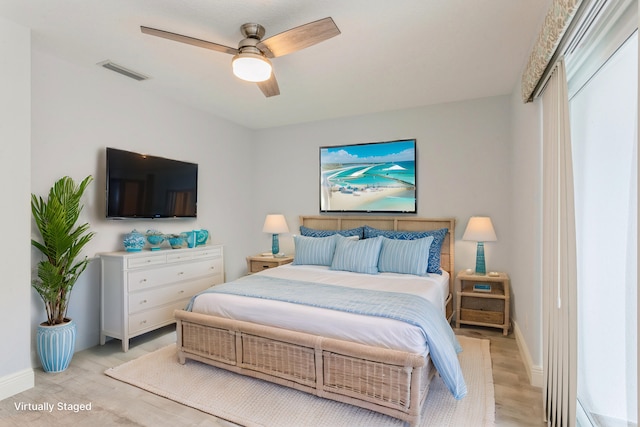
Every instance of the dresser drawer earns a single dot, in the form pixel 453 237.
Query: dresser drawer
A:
pixel 179 256
pixel 215 252
pixel 143 261
pixel 152 319
pixel 143 300
pixel 152 278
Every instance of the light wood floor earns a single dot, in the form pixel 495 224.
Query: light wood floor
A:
pixel 116 403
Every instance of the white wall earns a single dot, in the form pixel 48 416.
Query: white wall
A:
pixel 526 224
pixel 463 168
pixel 78 111
pixel 16 374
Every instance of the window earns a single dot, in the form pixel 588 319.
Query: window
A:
pixel 603 87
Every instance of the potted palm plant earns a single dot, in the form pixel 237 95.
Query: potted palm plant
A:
pixel 58 271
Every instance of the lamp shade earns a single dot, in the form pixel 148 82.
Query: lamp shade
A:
pixel 251 67
pixel 480 229
pixel 275 224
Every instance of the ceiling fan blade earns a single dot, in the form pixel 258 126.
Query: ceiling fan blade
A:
pixel 299 38
pixel 269 87
pixel 189 40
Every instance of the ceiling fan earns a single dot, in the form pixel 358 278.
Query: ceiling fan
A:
pixel 251 58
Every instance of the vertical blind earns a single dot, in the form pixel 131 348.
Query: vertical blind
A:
pixel 559 256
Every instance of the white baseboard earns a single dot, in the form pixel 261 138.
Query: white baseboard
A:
pixel 534 372
pixel 17 382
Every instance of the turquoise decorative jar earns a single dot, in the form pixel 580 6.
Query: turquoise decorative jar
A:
pixel 191 237
pixel 134 241
pixel 55 345
pixel 155 239
pixel 201 237
pixel 176 241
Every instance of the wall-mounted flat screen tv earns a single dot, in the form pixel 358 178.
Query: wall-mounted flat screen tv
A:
pixel 144 186
pixel 370 177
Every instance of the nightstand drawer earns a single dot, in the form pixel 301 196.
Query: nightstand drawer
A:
pixel 262 265
pixel 484 316
pixel 259 263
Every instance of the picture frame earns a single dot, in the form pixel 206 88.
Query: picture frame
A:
pixel 369 177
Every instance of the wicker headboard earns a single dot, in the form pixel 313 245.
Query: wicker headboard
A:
pixel 401 223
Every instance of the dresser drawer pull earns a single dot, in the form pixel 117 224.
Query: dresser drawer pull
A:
pixel 181 292
pixel 144 301
pixel 180 273
pixel 143 322
pixel 143 281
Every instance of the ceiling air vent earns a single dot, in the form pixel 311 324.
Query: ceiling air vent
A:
pixel 122 70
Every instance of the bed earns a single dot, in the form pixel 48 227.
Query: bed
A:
pixel 389 372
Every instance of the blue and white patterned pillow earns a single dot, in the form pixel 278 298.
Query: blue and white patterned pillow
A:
pixel 404 256
pixel 436 246
pixel 312 232
pixel 314 250
pixel 358 256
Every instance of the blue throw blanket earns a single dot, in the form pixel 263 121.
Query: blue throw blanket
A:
pixel 417 311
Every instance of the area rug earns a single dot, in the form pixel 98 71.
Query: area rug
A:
pixel 255 403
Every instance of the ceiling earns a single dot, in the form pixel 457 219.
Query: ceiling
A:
pixel 390 55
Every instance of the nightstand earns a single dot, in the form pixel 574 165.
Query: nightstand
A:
pixel 262 262
pixel 483 300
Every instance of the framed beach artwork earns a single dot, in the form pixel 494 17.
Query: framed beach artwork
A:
pixel 369 177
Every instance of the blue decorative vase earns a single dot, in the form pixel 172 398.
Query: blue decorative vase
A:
pixel 133 242
pixel 191 237
pixel 155 239
pixel 201 237
pixel 55 345
pixel 176 242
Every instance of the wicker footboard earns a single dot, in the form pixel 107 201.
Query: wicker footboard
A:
pixel 391 382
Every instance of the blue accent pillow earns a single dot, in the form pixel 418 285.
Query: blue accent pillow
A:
pixel 312 232
pixel 404 256
pixel 358 256
pixel 436 246
pixel 314 250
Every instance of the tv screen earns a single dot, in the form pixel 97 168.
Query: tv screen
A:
pixel 370 177
pixel 143 186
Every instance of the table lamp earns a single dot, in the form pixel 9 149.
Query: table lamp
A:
pixel 275 224
pixel 480 229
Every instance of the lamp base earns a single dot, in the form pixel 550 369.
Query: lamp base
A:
pixel 275 245
pixel 481 269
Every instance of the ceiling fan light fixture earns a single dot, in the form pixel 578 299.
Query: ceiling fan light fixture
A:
pixel 251 67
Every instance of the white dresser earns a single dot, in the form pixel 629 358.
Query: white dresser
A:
pixel 140 290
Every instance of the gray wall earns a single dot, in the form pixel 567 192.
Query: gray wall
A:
pixel 77 112
pixel 15 86
pixel 463 167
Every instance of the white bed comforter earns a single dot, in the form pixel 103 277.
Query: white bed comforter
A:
pixel 381 332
